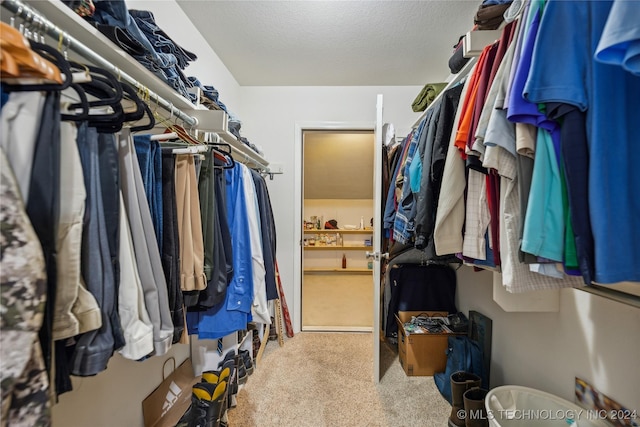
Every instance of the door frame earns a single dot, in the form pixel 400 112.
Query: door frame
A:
pixel 300 127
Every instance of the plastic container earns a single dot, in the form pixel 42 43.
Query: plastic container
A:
pixel 512 405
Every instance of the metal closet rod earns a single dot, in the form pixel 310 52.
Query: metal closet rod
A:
pixel 30 15
pixel 248 158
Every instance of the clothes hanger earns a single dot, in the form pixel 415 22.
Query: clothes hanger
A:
pixel 144 97
pixel 224 157
pixel 84 103
pixel 30 63
pixel 132 95
pixel 148 126
pixel 8 65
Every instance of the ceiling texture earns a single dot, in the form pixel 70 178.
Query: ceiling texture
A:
pixel 333 42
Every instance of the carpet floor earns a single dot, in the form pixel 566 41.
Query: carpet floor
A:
pixel 325 379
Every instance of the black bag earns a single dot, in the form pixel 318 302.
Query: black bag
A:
pixel 457 61
pixel 463 354
pixel 416 287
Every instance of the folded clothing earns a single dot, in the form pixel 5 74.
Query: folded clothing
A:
pixel 427 95
pixel 490 16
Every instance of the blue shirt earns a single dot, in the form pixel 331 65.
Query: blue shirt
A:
pixel 620 41
pixel 544 223
pixel 232 314
pixel 564 70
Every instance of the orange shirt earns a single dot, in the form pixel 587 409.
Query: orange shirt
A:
pixel 467 106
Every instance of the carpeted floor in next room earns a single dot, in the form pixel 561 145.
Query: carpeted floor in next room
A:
pixel 325 380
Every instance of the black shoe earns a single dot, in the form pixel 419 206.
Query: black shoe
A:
pixel 247 361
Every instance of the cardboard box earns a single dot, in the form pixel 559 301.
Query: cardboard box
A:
pixel 421 354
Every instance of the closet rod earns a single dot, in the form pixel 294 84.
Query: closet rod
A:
pixel 247 158
pixel 31 15
pixel 453 80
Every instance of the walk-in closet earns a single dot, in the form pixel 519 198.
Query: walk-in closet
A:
pixel 319 213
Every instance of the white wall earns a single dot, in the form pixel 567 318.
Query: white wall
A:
pixel 590 337
pixel 269 116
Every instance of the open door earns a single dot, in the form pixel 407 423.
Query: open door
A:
pixel 375 255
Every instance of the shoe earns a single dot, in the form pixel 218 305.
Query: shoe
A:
pixel 207 401
pixel 246 360
pixel 460 382
pixel 214 377
pixel 474 407
pixel 229 361
pixel 242 371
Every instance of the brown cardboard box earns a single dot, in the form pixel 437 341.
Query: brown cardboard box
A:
pixel 421 354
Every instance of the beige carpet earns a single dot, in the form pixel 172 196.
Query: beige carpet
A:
pixel 325 379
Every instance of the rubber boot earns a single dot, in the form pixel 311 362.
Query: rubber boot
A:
pixel 460 382
pixel 476 412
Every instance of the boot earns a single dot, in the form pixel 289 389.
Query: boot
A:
pixel 474 407
pixel 460 382
pixel 214 377
pixel 207 401
pixel 246 359
pixel 242 371
pixel 232 388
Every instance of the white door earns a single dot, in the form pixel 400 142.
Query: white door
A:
pixel 375 256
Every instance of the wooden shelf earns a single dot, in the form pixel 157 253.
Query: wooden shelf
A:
pixel 337 270
pixel 337 248
pixel 365 231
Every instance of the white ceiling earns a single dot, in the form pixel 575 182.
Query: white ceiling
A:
pixel 333 43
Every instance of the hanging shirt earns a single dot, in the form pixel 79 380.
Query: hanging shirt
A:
pixel 259 309
pixel 404 220
pixel 564 70
pixel 620 40
pixel 233 313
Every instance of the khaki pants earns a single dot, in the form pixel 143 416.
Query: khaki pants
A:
pixel 192 276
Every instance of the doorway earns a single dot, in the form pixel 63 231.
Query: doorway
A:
pixel 336 217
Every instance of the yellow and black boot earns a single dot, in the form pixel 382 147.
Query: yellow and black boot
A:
pixel 206 403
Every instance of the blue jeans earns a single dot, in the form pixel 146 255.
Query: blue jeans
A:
pixel 175 58
pixel 209 91
pixel 163 65
pixel 159 39
pixel 150 161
